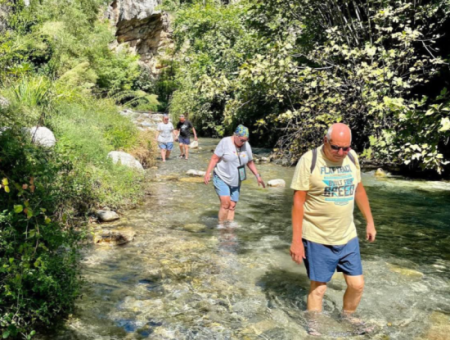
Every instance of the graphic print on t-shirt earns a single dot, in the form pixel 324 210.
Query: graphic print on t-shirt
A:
pixel 340 185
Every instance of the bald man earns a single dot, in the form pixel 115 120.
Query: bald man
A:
pixel 327 182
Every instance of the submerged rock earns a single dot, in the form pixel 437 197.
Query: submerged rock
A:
pixel 277 183
pixel 194 227
pixel 125 159
pixel 196 173
pixel 439 328
pixel 107 215
pixel 414 274
pixel 114 236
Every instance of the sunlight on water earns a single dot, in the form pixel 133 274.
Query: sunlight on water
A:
pixel 183 277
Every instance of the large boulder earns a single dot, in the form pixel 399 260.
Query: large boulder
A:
pixel 277 183
pixel 125 159
pixel 42 136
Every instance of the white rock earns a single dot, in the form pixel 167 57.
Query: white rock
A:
pixel 107 215
pixel 194 145
pixel 125 159
pixel 42 136
pixel 197 173
pixel 380 173
pixel 277 183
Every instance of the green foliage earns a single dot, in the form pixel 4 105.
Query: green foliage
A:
pixel 290 69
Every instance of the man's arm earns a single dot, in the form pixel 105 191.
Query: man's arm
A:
pixel 363 204
pixel 297 248
pixel 195 133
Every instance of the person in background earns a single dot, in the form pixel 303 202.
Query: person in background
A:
pixel 230 157
pixel 165 137
pixel 327 183
pixel 183 128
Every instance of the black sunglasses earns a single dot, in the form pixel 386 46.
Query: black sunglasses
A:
pixel 336 148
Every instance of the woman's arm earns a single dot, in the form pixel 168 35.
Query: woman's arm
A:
pixel 251 165
pixel 212 163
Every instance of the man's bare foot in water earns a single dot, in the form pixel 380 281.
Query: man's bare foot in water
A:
pixel 359 325
pixel 312 324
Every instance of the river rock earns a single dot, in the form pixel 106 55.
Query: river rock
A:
pixel 194 227
pixel 194 145
pixel 196 173
pixel 125 159
pixel 380 173
pixel 439 328
pixel 114 236
pixel 42 136
pixel 280 183
pixel 406 272
pixel 264 159
pixel 107 215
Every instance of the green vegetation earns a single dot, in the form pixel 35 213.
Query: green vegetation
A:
pixel 289 69
pixel 56 70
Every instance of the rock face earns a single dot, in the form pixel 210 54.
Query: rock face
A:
pixel 125 159
pixel 277 183
pixel 144 29
pixel 42 136
pixel 114 237
pixel 107 216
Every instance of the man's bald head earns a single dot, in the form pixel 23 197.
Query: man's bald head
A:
pixel 339 131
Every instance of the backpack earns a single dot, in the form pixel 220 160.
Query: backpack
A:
pixel 314 159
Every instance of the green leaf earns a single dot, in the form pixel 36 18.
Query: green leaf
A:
pixel 5 334
pixel 18 209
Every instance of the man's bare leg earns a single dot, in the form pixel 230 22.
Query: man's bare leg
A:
pixel 353 294
pixel 186 151
pixel 224 208
pixel 315 297
pixel 181 150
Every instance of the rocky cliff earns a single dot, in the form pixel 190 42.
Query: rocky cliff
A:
pixel 143 28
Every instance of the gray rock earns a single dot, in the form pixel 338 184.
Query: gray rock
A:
pixel 42 136
pixel 107 215
pixel 194 227
pixel 114 236
pixel 277 183
pixel 196 173
pixel 125 159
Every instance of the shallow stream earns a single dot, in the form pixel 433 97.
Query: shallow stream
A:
pixel 184 278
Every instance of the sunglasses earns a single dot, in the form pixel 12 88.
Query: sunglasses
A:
pixel 336 148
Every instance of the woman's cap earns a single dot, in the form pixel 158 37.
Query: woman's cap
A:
pixel 242 131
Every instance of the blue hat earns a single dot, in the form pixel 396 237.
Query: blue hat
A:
pixel 242 131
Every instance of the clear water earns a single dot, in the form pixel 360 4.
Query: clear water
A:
pixel 240 283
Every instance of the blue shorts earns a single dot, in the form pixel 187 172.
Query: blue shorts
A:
pixel 165 146
pixel 185 141
pixel 323 260
pixel 223 189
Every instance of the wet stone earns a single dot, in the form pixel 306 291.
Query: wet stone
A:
pixel 114 237
pixel 194 227
pixel 405 272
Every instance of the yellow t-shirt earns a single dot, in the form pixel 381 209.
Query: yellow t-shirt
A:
pixel 328 209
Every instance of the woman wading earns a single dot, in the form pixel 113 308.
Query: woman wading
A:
pixel 231 156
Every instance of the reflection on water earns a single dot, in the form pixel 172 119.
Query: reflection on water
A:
pixel 183 277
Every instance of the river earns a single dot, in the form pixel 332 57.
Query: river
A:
pixel 182 277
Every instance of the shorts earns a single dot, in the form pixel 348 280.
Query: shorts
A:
pixel 185 141
pixel 323 260
pixel 166 146
pixel 223 189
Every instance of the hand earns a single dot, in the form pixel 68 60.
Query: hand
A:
pixel 297 252
pixel 370 233
pixel 207 177
pixel 260 182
